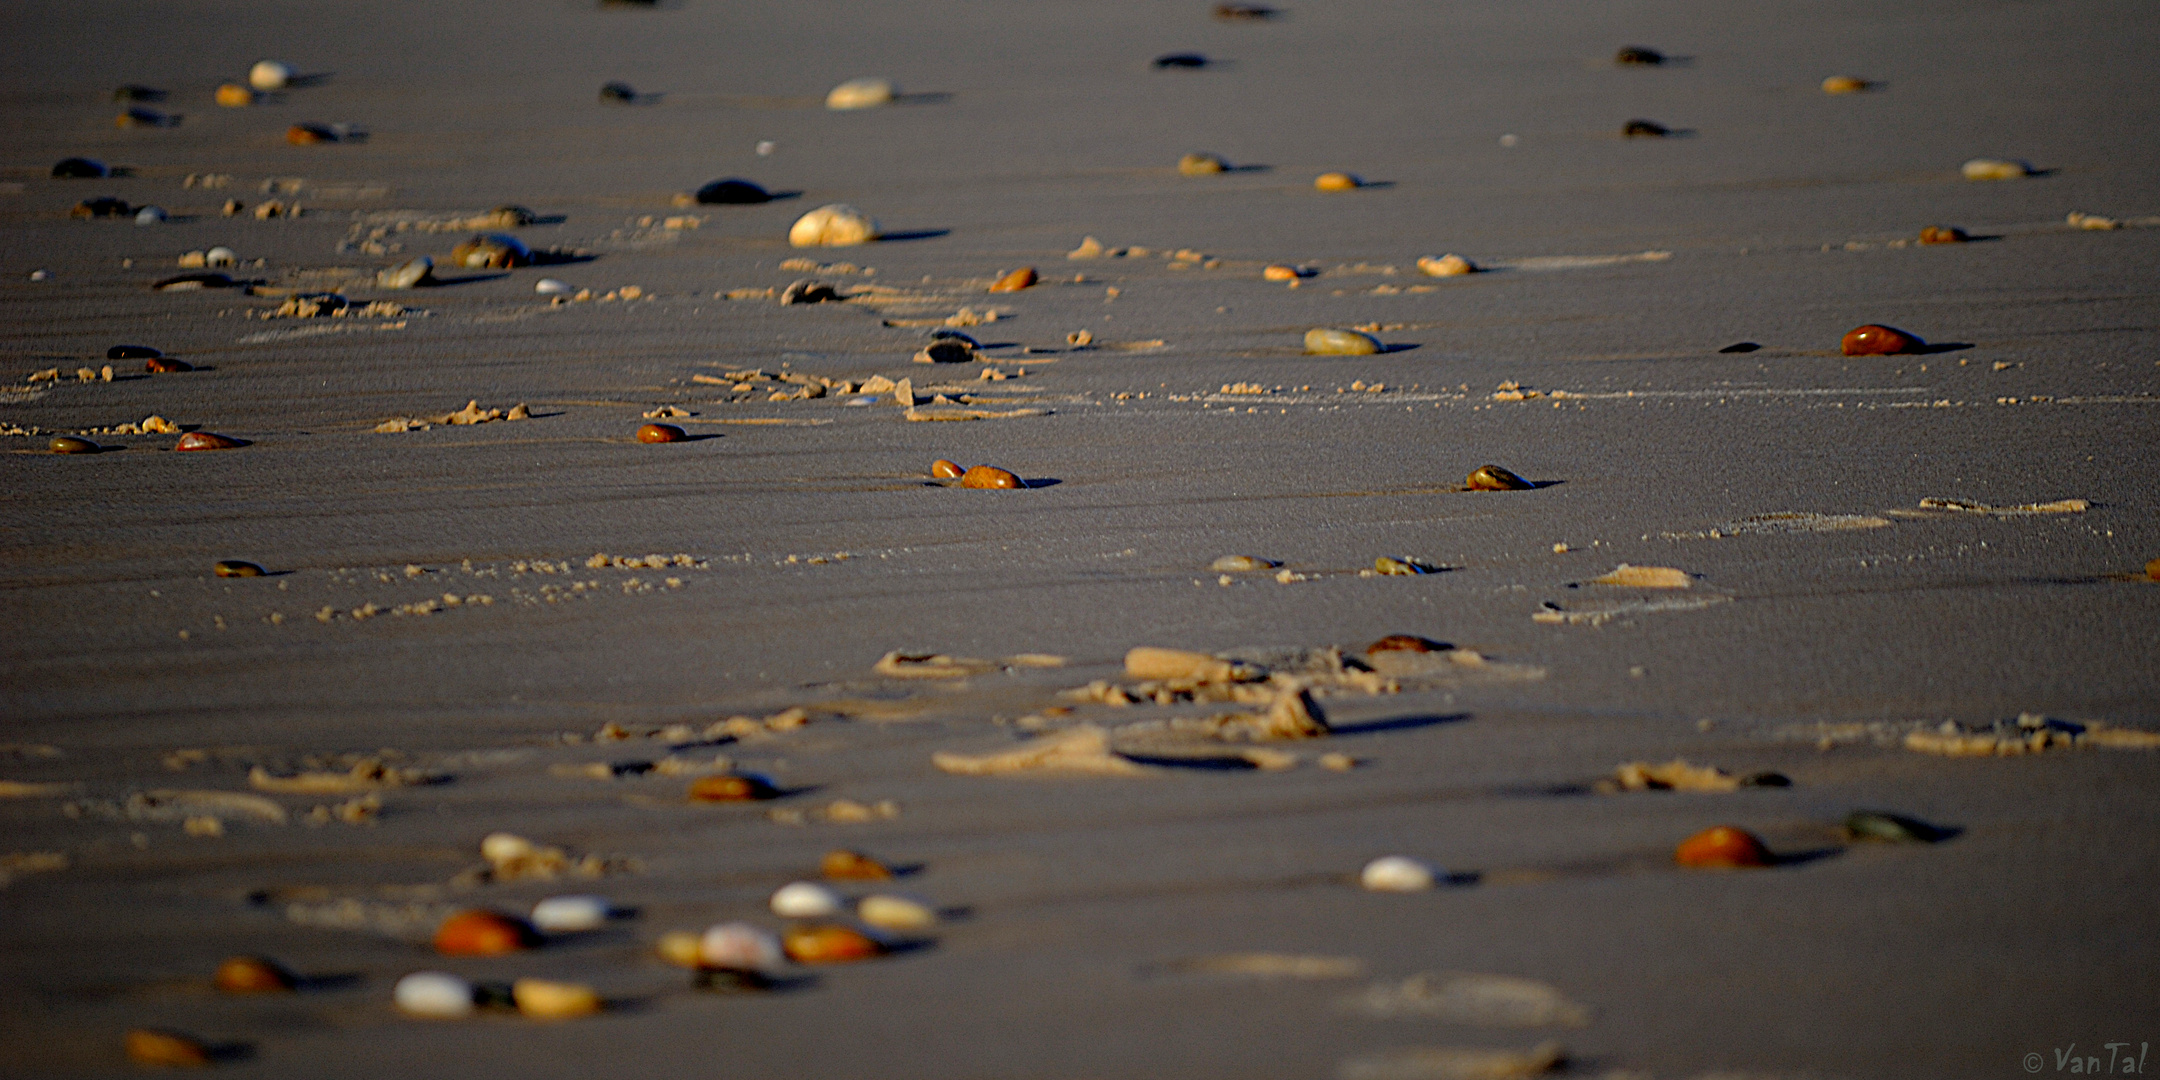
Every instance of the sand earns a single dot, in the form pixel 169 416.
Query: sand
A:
pixel 814 542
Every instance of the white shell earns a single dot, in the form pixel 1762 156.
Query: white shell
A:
pixel 892 911
pixel 221 256
pixel 548 286
pixel 407 274
pixel 503 847
pixel 1992 169
pixel 740 946
pixel 806 900
pixel 833 225
pixel 1397 873
pixel 562 914
pixel 269 75
pixel 860 94
pixel 434 994
pixel 150 215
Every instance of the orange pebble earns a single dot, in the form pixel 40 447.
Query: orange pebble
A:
pixel 2152 569
pixel 253 975
pixel 659 433
pixel 308 134
pixel 945 470
pixel 828 944
pixel 990 476
pixel 732 787
pixel 163 365
pixel 205 440
pixel 235 96
pixel 1943 234
pixel 483 933
pixel 1337 181
pixel 1279 272
pixel 1875 339
pixel 1015 281
pixel 1723 846
pixel 148 1047
pixel 1495 478
pixel 844 865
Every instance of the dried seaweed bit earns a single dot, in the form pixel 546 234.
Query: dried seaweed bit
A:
pixel 2059 506
pixel 1468 998
pixel 171 805
pixel 1082 749
pixel 1449 1063
pixel 1674 775
pixel 904 665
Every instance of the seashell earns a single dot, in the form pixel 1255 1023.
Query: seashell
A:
pixel 1639 55
pixel 1995 169
pixel 1201 165
pixel 1875 339
pixel 733 787
pixel 806 900
pixel 1337 181
pixel 833 225
pixel 132 352
pixel 1399 566
pixel 483 933
pixel 491 251
pixel 1397 873
pixel 234 96
pixel 543 999
pixel 1450 265
pixel 548 286
pixel 206 440
pixel 1943 234
pixel 270 75
pixel 150 215
pixel 897 913
pixel 253 975
pixel 1645 577
pixel 1181 60
pixel 1015 281
pixel 1495 478
pixel 237 568
pixel 1644 129
pixel 1724 847
pixel 311 134
pixel 78 168
pixel 1241 12
pixel 146 1046
pixel 739 946
pixel 946 470
pixel 1844 84
pixel 569 914
pixel 661 433
pixel 1405 643
pixel 1150 662
pixel 1325 341
pixel 69 444
pixel 1238 564
pixel 828 943
pixel 617 93
pixel 100 207
pixel 865 93
pixel 986 477
pixel 436 995
pixel 841 864
pixel 191 282
pixel 409 274
pixel 1892 828
pixel 733 192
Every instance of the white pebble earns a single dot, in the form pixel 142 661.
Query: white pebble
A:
pixel 1992 169
pixel 739 946
pixel 505 847
pixel 1509 140
pixel 765 147
pixel 1397 873
pixel 806 900
pixel 892 911
pixel 833 225
pixel 41 275
pixel 860 94
pixel 563 914
pixel 434 994
pixel 150 215
pixel 221 256
pixel 548 286
pixel 269 75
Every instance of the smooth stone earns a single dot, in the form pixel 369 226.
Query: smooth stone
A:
pixel 1238 12
pixel 1326 341
pixel 253 975
pixel 132 352
pixel 1405 643
pixel 1645 577
pixel 733 192
pixel 1238 564
pixel 808 291
pixel 987 477
pixel 900 914
pixel 733 787
pixel 150 215
pixel 1015 281
pixel 1723 847
pixel 1337 181
pixel 491 251
pixel 946 470
pixel 833 225
pixel 206 440
pixel 237 568
pixel 1844 84
pixel 1995 169
pixel 1892 828
pixel 406 275
pixel 221 256
pixel 310 134
pixel 483 933
pixel 568 914
pixel 841 864
pixel 618 93
pixel 101 207
pixel 545 999
pixel 1875 339
pixel 548 286
pixel 806 900
pixel 146 1046
pixel 234 96
pixel 270 75
pixel 191 282
pixel 1450 265
pixel 865 93
pixel 661 433
pixel 433 994
pixel 1644 129
pixel 1201 165
pixel 1639 55
pixel 1280 272
pixel 1943 234
pixel 1495 478
pixel 739 946
pixel 828 943
pixel 78 168
pixel 69 444
pixel 1397 566
pixel 502 847
pixel 1740 347
pixel 1397 873
pixel 1181 60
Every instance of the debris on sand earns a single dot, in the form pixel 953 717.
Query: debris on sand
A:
pixel 1645 577
pixel 1959 506
pixel 2030 733
pixel 906 665
pixel 1679 775
pixel 472 413
pixel 1466 998
pixel 1081 749
pixel 1448 1063
pixel 1268 965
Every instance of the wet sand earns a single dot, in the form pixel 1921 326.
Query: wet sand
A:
pixel 1076 901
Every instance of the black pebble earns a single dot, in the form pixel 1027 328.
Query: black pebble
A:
pixel 1766 779
pixel 132 352
pixel 1639 54
pixel 1742 346
pixel 732 191
pixel 137 92
pixel 619 93
pixel 102 206
pixel 1181 60
pixel 79 168
pixel 1644 129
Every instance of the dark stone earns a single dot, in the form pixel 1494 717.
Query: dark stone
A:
pixel 132 352
pixel 733 192
pixel 1640 55
pixel 1181 60
pixel 77 168
pixel 1740 347
pixel 1644 129
pixel 617 93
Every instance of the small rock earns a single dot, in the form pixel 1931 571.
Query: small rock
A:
pixel 833 225
pixel 1201 165
pixel 435 995
pixel 1724 847
pixel 543 999
pixel 206 440
pixel 1326 341
pixel 899 914
pixel 661 433
pixel 1844 84
pixel 69 444
pixel 101 207
pixel 1875 339
pixel 865 93
pixel 946 470
pixel 234 96
pixel 1244 12
pixel 1639 55
pixel 1495 478
pixel 491 251
pixel 1644 129
pixel 548 286
pixel 483 933
pixel 312 134
pixel 985 477
pixel 237 568
pixel 1397 873
pixel 407 275
pixel 733 787
pixel 1337 181
pixel 1079 338
pixel 253 975
pixel 841 864
pixel 1995 169
pixel 150 215
pixel 617 93
pixel 132 352
pixel 1892 828
pixel 1943 234
pixel 1645 577
pixel 1405 643
pixel 270 75
pixel 1398 566
pixel 146 1046
pixel 1015 281
pixel 739 946
pixel 808 291
pixel 806 900
pixel 1238 564
pixel 1181 60
pixel 733 192
pixel 76 168
pixel 1090 248
pixel 1446 266
pixel 569 914
pixel 828 943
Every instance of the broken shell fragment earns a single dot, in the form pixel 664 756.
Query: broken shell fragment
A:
pixel 986 477
pixel 1844 84
pixel 899 914
pixel 1644 129
pixel 69 444
pixel 833 225
pixel 806 900
pixel 483 933
pixel 270 75
pixel 253 975
pixel 733 192
pixel 733 787
pixel 1892 828
pixel 1397 873
pixel 661 433
pixel 1326 341
pixel 1015 281
pixel 1943 234
pixel 1201 165
pixel 436 995
pixel 1723 847
pixel 407 275
pixel 570 914
pixel 146 1046
pixel 491 251
pixel 1875 339
pixel 828 943
pixel 1495 478
pixel 1995 169
pixel 1337 181
pixel 1238 564
pixel 206 440
pixel 1645 577
pixel 739 946
pixel 1449 265
pixel 543 999
pixel 1639 55
pixel 866 93
pixel 841 864
pixel 237 568
pixel 945 470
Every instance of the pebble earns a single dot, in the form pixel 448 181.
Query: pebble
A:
pixel 1644 129
pixel 253 975
pixel 270 75
pixel 1645 577
pixel 618 93
pixel 733 192
pixel 569 914
pixel 1639 55
pixel 1238 564
pixel 806 900
pixel 946 470
pixel 132 352
pixel 407 275
pixel 1148 662
pixel 1995 169
pixel 1875 339
pixel 69 444
pixel 1337 181
pixel 661 433
pixel 1242 12
pixel 310 134
pixel 1449 265
pixel 865 93
pixel 237 568
pixel 491 251
pixel 1722 847
pixel 206 440
pixel 1844 84
pixel 78 168
pixel 733 787
pixel 1397 566
pixel 828 943
pixel 1181 60
pixel 150 215
pixel 1326 341
pixel 1943 234
pixel 1495 478
pixel 739 946
pixel 841 864
pixel 897 913
pixel 1892 828
pixel 809 291
pixel 678 947
pixel 543 999
pixel 1015 281
pixel 548 286
pixel 192 282
pixel 1201 165
pixel 1405 643
pixel 833 225
pixel 1280 272
pixel 482 933
pixel 433 994
pixel 987 477
pixel 234 96
pixel 149 1047
pixel 100 207
pixel 1397 873
pixel 2152 570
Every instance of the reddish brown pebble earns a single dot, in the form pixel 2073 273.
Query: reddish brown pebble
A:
pixel 945 470
pixel 2152 570
pixel 238 568
pixel 733 787
pixel 990 476
pixel 1722 847
pixel 1015 281
pixel 828 944
pixel 1875 339
pixel 1943 234
pixel 147 1047
pixel 844 865
pixel 483 933
pixel 1404 643
pixel 253 975
pixel 309 134
pixel 69 444
pixel 1495 478
pixel 161 365
pixel 205 440
pixel 658 433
